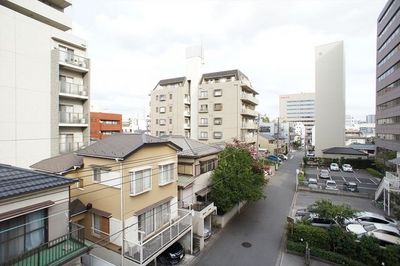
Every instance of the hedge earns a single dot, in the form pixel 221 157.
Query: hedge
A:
pixel 315 236
pixel 375 173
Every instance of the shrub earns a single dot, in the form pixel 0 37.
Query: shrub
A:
pixel 316 237
pixel 368 251
pixel 375 173
pixel 341 241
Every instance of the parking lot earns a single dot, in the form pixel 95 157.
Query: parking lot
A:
pixel 366 183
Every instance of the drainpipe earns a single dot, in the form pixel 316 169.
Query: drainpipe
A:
pixel 122 199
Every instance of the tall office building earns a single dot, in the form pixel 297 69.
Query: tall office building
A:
pixel 388 78
pixel 44 81
pixel 370 119
pixel 296 108
pixel 330 105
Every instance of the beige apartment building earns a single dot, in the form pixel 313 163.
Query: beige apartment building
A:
pixel 226 108
pixel 44 83
pixel 126 181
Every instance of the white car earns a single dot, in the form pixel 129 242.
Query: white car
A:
pixel 334 167
pixel 366 218
pixel 331 185
pixel 347 168
pixel 324 174
pixel 382 232
pixel 312 183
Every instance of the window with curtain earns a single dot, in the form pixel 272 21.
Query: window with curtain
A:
pixel 153 220
pixel 166 174
pixel 140 181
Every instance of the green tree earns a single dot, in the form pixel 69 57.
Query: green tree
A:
pixel 238 177
pixel 265 119
pixel 341 241
pixel 368 251
pixel 326 209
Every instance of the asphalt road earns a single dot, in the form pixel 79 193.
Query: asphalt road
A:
pixel 260 223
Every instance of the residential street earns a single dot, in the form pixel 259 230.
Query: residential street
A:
pixel 260 223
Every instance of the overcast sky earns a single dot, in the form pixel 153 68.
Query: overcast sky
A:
pixel 134 44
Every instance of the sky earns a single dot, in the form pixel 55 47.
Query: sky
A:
pixel 133 44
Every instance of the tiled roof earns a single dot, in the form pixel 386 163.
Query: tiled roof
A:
pixel 121 145
pixel 76 207
pixel 358 146
pixel 193 148
pixel 343 150
pixel 184 181
pixel 15 181
pixel 222 74
pixel 59 164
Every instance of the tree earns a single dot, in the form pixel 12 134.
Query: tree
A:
pixel 238 177
pixel 395 204
pixel 265 119
pixel 339 213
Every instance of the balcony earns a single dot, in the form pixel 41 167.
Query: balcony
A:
pixel 73 90
pixel 146 250
pixel 55 252
pixel 186 100
pixel 203 124
pixel 186 126
pixel 186 113
pixel 74 62
pixel 203 110
pixel 249 125
pixel 249 112
pixel 73 119
pixel 203 209
pixel 249 98
pixel 70 147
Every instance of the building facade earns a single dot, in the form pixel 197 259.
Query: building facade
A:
pixel 44 83
pixel 388 78
pixel 370 119
pixel 104 124
pixel 330 104
pixel 299 108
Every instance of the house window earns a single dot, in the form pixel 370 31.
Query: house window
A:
pixel 156 121
pixel 162 97
pixel 203 135
pixel 208 166
pixel 21 234
pixel 100 225
pixel 153 219
pixel 98 172
pixel 203 121
pixel 203 95
pixel 162 122
pixel 162 133
pixel 204 108
pixel 218 93
pixel 217 135
pixel 162 110
pixel 218 107
pixel 166 174
pixel 218 121
pixel 170 96
pixel 140 181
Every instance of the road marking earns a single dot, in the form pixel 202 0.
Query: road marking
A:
pixel 344 179
pixel 357 179
pixel 372 181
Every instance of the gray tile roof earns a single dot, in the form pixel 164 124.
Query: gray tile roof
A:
pixel 193 148
pixel 223 74
pixel 358 146
pixel 121 145
pixel 343 150
pixel 59 164
pixel 185 181
pixel 171 81
pixel 15 181
pixel 77 207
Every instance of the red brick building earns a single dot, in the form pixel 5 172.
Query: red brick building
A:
pixel 104 124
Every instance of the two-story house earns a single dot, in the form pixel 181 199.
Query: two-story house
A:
pixel 128 184
pixel 35 228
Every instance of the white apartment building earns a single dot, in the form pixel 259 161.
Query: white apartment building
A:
pixel 44 80
pixel 329 97
pixel 299 108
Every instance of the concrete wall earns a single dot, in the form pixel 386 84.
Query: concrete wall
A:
pixel 223 220
pixel 330 101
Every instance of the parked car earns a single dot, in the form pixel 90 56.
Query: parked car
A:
pixel 319 222
pixel 350 186
pixel 274 158
pixel 312 183
pixel 347 168
pixel 324 173
pixel 380 231
pixel 331 185
pixel 172 255
pixel 334 167
pixel 366 218
pixel 310 154
pixel 206 233
pixel 302 212
pixel 282 157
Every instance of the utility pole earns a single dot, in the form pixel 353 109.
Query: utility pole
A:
pixel 258 132
pixel 277 139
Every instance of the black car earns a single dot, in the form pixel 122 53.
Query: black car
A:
pixel 350 186
pixel 172 255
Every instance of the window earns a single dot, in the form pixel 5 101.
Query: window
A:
pixel 203 135
pixel 156 121
pixel 156 97
pixel 100 225
pixel 170 108
pixel 162 97
pixel 97 174
pixel 80 183
pixel 170 96
pixel 218 121
pixel 218 93
pixel 162 110
pixel 203 121
pixel 218 107
pixel 162 133
pixel 170 121
pixel 217 135
pixel 204 108
pixel 156 109
pixel 162 122
pixel 140 181
pixel 153 219
pixel 208 166
pixel 203 95
pixel 166 174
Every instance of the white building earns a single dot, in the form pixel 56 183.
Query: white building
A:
pixel 130 125
pixel 329 97
pixel 44 81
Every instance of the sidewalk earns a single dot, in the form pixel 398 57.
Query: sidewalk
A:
pixel 294 260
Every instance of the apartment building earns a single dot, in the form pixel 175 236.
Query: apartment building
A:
pixel 127 181
pixel 44 83
pixel 104 124
pixel 35 227
pixel 388 79
pixel 299 108
pixel 330 101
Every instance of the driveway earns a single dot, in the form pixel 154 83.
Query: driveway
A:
pixel 261 224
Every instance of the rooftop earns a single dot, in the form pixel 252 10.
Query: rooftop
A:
pixel 224 74
pixel 343 150
pixel 59 164
pixel 15 181
pixel 193 148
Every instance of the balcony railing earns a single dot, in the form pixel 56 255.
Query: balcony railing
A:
pixel 143 250
pixel 250 112
pixel 249 125
pixel 186 113
pixel 71 146
pixel 73 59
pixel 72 88
pixel 249 97
pixel 54 252
pixel 186 126
pixel 73 118
pixel 186 100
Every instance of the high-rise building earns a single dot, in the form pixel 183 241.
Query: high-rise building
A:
pixel 370 119
pixel 104 124
pixel 44 81
pixel 388 78
pixel 330 102
pixel 299 107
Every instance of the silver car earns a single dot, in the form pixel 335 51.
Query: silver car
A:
pixel 366 218
pixel 323 173
pixel 330 185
